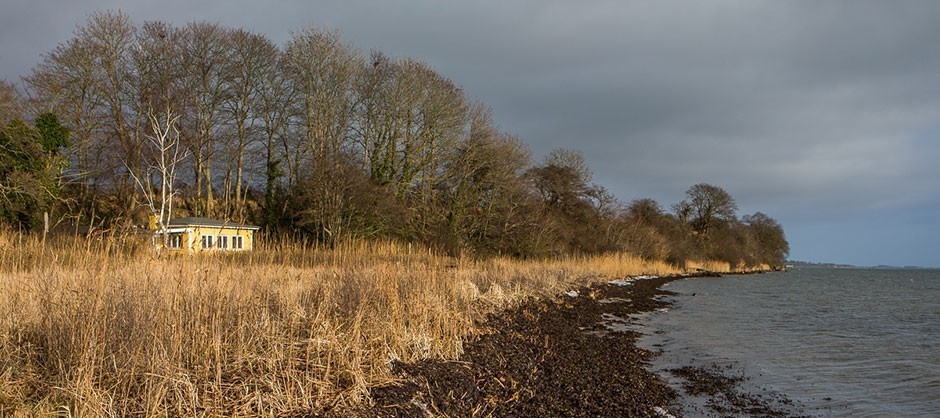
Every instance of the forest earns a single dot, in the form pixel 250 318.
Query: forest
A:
pixel 317 140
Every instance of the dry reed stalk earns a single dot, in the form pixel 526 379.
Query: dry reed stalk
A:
pixel 104 328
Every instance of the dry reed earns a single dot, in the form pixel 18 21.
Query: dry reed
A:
pixel 106 328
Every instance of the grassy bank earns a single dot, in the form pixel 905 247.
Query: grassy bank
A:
pixel 91 328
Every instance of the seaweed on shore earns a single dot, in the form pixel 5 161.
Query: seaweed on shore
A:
pixel 558 357
pixel 540 359
pixel 723 394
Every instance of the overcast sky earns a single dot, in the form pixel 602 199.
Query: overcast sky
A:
pixel 824 115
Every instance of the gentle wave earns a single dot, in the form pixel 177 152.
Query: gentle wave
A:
pixel 837 342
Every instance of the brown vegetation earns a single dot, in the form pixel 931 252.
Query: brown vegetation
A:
pixel 90 327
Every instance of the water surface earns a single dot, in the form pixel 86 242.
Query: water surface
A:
pixel 835 341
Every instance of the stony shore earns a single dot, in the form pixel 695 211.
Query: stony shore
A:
pixel 570 356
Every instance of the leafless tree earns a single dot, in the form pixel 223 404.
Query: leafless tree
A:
pixel 767 242
pixel 376 119
pixel 82 81
pixel 275 95
pixel 483 187
pixel 321 68
pixel 709 205
pixel 205 58
pixel 10 106
pixel 165 155
pixel 407 118
pixel 110 38
pixel 434 123
pixel 253 57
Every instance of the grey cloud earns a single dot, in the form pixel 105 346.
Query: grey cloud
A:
pixel 804 110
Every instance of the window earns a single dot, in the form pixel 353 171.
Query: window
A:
pixel 223 242
pixel 237 242
pixel 207 242
pixel 175 241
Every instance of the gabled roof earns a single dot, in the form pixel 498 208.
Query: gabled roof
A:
pixel 206 222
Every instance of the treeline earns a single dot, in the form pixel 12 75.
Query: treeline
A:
pixel 316 137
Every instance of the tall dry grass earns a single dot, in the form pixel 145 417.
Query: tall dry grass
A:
pixel 105 328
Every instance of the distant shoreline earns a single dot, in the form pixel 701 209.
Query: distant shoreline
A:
pixel 801 264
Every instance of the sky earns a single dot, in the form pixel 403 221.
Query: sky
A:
pixel 823 115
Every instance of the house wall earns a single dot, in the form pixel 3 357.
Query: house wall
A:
pixel 195 238
pixel 186 243
pixel 192 239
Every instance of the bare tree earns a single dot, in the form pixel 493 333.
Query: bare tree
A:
pixel 321 68
pixel 10 106
pixel 205 58
pixel 577 212
pixel 708 206
pixel 483 188
pixel 434 125
pixel 768 243
pixel 253 57
pixel 110 37
pixel 376 121
pixel 275 96
pixel 409 120
pixel 66 83
pixel 165 153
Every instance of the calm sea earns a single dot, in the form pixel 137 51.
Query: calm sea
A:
pixel 837 342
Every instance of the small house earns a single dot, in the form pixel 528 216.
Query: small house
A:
pixel 194 235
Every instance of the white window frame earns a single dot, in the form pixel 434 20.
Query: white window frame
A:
pixel 175 241
pixel 238 242
pixel 223 242
pixel 207 242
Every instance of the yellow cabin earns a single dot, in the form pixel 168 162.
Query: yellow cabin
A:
pixel 194 235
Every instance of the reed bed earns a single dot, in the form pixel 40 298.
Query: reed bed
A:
pixel 105 327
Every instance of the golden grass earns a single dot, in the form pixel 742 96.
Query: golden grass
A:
pixel 90 328
pixel 715 266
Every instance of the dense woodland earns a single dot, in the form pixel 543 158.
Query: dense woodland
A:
pixel 315 138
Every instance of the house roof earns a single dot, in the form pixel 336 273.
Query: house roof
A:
pixel 215 223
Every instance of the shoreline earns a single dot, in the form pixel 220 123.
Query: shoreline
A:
pixel 574 354
pixel 713 388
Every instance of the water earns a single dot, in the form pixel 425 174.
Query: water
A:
pixel 837 342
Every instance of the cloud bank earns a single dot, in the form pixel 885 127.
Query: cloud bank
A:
pixel 825 115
